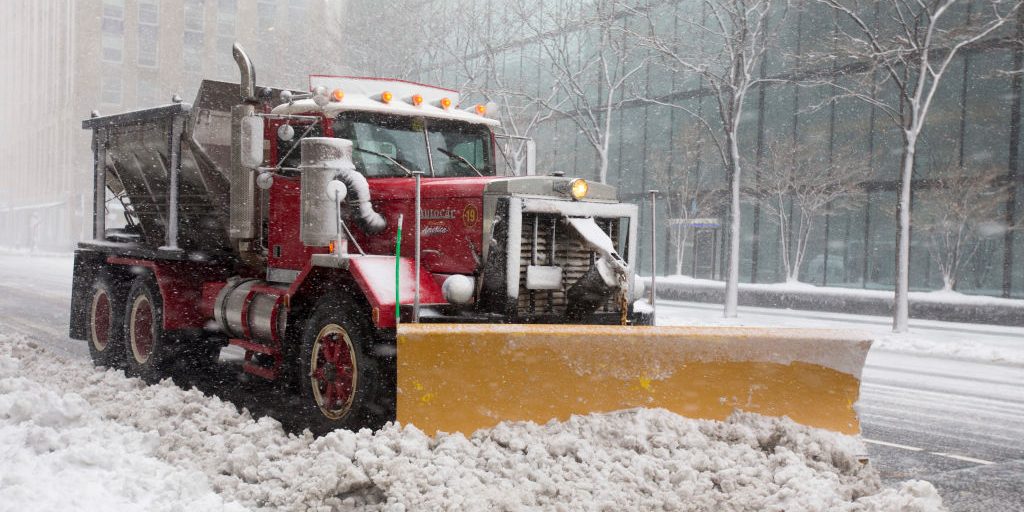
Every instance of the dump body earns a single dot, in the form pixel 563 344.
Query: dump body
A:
pixel 136 152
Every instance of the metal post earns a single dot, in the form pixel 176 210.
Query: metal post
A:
pixel 339 250
pixel 398 272
pixel 177 126
pixel 654 251
pixel 99 198
pixel 416 287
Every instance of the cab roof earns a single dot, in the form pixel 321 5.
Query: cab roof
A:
pixel 364 94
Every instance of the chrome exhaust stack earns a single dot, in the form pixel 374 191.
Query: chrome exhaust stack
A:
pixel 247 84
pixel 242 208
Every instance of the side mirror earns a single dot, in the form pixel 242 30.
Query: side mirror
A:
pixel 251 147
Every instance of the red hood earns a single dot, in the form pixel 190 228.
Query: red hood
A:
pixel 404 188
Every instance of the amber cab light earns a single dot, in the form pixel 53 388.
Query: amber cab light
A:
pixel 579 188
pixel 446 103
pixel 481 110
pixel 386 97
pixel 417 100
pixel 337 95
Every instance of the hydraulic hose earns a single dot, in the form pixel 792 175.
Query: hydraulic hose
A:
pixel 368 219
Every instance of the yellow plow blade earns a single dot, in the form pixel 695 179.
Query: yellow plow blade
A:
pixel 463 377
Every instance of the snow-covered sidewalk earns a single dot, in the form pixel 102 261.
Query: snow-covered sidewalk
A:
pixel 972 342
pixel 74 437
pixel 938 296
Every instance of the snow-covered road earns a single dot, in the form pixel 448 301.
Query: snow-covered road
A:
pixel 935 405
pixel 944 403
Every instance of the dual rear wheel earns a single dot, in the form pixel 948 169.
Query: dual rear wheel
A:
pixel 126 331
pixel 342 382
pixel 147 351
pixel 106 326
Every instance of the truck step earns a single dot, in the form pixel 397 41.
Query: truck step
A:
pixel 260 371
pixel 252 346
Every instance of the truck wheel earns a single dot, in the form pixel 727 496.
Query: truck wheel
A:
pixel 340 381
pixel 106 326
pixel 143 326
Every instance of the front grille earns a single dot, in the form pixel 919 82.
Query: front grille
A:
pixel 539 233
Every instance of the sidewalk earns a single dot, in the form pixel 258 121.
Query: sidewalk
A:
pixel 1003 345
pixel 948 306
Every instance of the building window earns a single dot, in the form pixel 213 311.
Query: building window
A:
pixel 112 29
pixel 149 32
pixel 297 10
pixel 110 89
pixel 147 93
pixel 266 11
pixel 226 12
pixel 193 37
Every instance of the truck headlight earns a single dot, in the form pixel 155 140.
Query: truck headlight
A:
pixel 458 289
pixel 578 188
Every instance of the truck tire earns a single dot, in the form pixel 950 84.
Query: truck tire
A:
pixel 106 324
pixel 340 382
pixel 146 344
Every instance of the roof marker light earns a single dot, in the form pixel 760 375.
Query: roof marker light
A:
pixel 386 96
pixel 416 100
pixel 481 110
pixel 337 95
pixel 446 103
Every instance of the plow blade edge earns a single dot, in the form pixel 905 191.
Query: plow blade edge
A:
pixel 463 377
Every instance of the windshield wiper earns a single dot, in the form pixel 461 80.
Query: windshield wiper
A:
pixel 449 154
pixel 386 157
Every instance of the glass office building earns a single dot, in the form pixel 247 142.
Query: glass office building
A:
pixel 974 125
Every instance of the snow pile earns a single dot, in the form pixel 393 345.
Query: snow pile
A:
pixel 112 443
pixel 950 346
pixel 54 440
pixel 935 296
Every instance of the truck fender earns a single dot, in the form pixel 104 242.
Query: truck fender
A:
pixel 181 289
pixel 374 278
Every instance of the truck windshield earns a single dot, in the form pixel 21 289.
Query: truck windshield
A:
pixel 401 138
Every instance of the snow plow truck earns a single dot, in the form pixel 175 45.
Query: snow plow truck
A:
pixel 361 244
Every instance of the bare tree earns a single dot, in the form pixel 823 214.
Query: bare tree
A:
pixel 908 45
pixel 959 214
pixel 724 42
pixel 475 49
pixel 797 187
pixel 464 50
pixel 677 174
pixel 589 63
pixel 409 45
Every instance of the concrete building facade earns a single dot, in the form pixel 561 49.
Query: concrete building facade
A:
pixel 64 59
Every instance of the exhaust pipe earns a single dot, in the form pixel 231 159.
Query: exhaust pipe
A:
pixel 242 208
pixel 247 85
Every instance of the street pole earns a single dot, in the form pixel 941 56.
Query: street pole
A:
pixel 654 252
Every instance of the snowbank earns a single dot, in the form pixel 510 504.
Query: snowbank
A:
pixel 969 342
pixel 111 443
pixel 937 296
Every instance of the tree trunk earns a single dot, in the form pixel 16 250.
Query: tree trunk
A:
pixel 733 276
pixel 947 282
pixel 681 238
pixel 901 300
pixel 602 155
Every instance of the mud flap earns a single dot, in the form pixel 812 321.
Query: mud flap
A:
pixel 463 377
